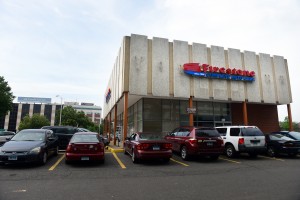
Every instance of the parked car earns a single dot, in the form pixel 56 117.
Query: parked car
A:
pixel 147 145
pixel 280 144
pixel 85 146
pixel 201 141
pixel 5 135
pixel 294 135
pixel 242 139
pixel 29 145
pixel 64 134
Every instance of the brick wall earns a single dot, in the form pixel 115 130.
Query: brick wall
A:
pixel 263 116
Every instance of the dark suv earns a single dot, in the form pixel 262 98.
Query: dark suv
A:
pixel 203 141
pixel 64 134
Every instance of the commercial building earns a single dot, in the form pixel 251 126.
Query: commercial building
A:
pixel 157 85
pixel 43 106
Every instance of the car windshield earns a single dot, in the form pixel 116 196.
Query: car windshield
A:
pixel 207 132
pixel 251 132
pixel 151 136
pixel 279 137
pixel 84 138
pixel 29 136
pixel 295 135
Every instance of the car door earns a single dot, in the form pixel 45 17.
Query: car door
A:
pixel 51 142
pixel 171 138
pixel 127 144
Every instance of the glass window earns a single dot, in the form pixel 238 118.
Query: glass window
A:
pixel 207 132
pixel 251 132
pixel 152 126
pixel 235 131
pixel 152 109
pixel 222 131
pixel 295 135
pixel 205 111
pixel 222 111
pixel 85 138
pixel 279 137
pixel 166 109
pixel 151 136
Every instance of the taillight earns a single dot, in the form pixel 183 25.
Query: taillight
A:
pixel 99 146
pixel 142 146
pixel 241 141
pixel 192 141
pixel 168 146
pixel 69 148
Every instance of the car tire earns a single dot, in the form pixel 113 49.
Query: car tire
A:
pixel 183 153
pixel 44 158
pixel 56 151
pixel 253 155
pixel 215 157
pixel 230 151
pixel 125 152
pixel 134 158
pixel 271 152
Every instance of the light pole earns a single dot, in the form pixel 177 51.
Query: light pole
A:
pixel 60 108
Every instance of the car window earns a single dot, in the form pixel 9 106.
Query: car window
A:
pixel 183 132
pixel 151 136
pixel 207 132
pixel 251 132
pixel 175 132
pixel 295 135
pixel 279 137
pixel 29 136
pixel 235 131
pixel 84 138
pixel 222 131
pixel 132 136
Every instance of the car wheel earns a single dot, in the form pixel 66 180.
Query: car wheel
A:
pixel 134 158
pixel 184 153
pixel 215 157
pixel 125 152
pixel 271 152
pixel 230 151
pixel 293 154
pixel 253 155
pixel 56 151
pixel 44 158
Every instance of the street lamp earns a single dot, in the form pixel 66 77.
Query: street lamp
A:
pixel 60 108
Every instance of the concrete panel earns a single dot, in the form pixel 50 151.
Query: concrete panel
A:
pixel 160 67
pixel 253 88
pixel 201 85
pixel 237 87
pixel 219 87
pixel 138 65
pixel 281 80
pixel 267 79
pixel 181 80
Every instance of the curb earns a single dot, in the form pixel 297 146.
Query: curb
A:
pixel 114 150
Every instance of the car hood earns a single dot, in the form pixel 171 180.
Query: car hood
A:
pixel 21 145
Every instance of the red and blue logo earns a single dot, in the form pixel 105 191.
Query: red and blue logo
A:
pixel 108 95
pixel 208 71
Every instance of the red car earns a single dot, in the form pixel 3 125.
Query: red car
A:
pixel 144 145
pixel 85 146
pixel 203 141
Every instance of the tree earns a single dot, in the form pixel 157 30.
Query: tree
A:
pixel 6 97
pixel 71 117
pixel 285 125
pixel 36 121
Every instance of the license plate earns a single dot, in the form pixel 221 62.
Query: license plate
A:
pixel 254 141
pixel 156 148
pixel 12 158
pixel 209 144
pixel 85 158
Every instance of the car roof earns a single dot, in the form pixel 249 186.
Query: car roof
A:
pixel 237 126
pixel 86 133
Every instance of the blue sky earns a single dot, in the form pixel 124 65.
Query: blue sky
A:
pixel 68 47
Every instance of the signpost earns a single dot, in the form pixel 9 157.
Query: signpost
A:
pixel 191 110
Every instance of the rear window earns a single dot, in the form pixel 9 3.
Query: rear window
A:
pixel 251 132
pixel 295 135
pixel 279 137
pixel 151 136
pixel 207 132
pixel 63 130
pixel 84 138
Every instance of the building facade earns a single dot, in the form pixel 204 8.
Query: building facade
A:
pixel 12 120
pixel 158 85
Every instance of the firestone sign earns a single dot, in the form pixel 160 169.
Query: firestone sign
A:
pixel 208 71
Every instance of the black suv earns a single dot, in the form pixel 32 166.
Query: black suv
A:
pixel 64 134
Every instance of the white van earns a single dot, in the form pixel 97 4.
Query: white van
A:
pixel 242 139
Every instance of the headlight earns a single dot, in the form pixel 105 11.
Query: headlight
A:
pixel 35 150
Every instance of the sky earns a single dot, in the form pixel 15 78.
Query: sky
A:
pixel 69 47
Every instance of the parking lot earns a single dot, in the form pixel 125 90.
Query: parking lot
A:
pixel 118 178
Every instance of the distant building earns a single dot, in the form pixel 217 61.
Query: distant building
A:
pixel 32 105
